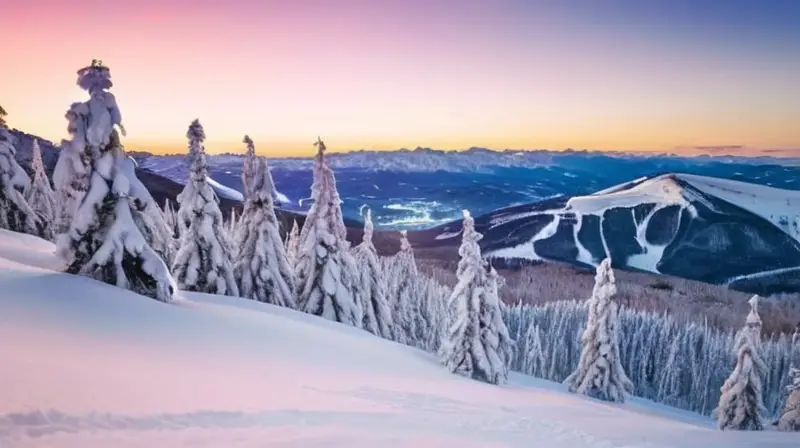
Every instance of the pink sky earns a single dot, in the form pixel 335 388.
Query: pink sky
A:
pixel 385 74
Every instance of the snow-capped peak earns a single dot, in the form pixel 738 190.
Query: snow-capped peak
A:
pixel 779 207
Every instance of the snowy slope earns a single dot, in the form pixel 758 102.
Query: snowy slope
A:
pixel 780 207
pixel 702 228
pixel 94 366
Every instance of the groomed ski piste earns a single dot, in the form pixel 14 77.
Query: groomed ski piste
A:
pixel 85 364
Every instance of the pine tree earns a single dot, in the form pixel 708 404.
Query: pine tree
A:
pixel 249 172
pixel 477 344
pixel 233 224
pixel 40 196
pixel 15 213
pixel 375 313
pixel 262 270
pixel 532 353
pixel 403 279
pixel 326 273
pixel 600 374
pixel 204 261
pixel 741 404
pixel 293 244
pixel 249 168
pixel 104 241
pixel 3 115
pixel 171 219
pixel 790 416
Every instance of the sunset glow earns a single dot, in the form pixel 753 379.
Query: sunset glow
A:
pixel 386 74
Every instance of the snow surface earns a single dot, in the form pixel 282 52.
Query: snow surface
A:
pixel 778 206
pixel 92 365
pixel 225 192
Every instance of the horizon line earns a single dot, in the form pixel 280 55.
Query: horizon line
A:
pixel 687 151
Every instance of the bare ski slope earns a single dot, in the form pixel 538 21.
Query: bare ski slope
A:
pixel 84 364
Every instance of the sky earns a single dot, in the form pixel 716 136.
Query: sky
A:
pixel 632 75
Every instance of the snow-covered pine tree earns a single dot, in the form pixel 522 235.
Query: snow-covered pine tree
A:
pixel 40 196
pixel 103 240
pixel 293 244
pixel 171 219
pixel 403 290
pixel 600 374
pixel 476 343
pixel 375 314
pixel 15 213
pixel 204 261
pixel 3 115
pixel 262 270
pixel 249 168
pixel 251 162
pixel 790 416
pixel 326 273
pixel 741 404
pixel 532 362
pixel 233 224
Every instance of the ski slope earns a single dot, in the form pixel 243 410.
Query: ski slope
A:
pixel 84 364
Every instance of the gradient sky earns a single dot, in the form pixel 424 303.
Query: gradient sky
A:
pixel 610 74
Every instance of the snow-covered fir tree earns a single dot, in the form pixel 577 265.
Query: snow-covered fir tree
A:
pixel 403 291
pixel 326 273
pixel 249 171
pixel 249 168
pixel 375 314
pixel 262 269
pixel 530 347
pixel 600 374
pixel 790 416
pixel 204 260
pixel 40 196
pixel 3 115
pixel 233 224
pixel 104 241
pixel 741 403
pixel 293 244
pixel 476 344
pixel 15 213
pixel 171 219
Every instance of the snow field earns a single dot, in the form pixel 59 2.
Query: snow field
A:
pixel 92 365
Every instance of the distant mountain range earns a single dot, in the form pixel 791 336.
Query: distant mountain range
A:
pixel 474 160
pixel 697 227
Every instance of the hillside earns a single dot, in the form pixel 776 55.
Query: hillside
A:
pixel 218 371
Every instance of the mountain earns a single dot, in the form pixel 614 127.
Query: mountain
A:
pixel 713 230
pixel 474 160
pixel 404 193
pixel 96 366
